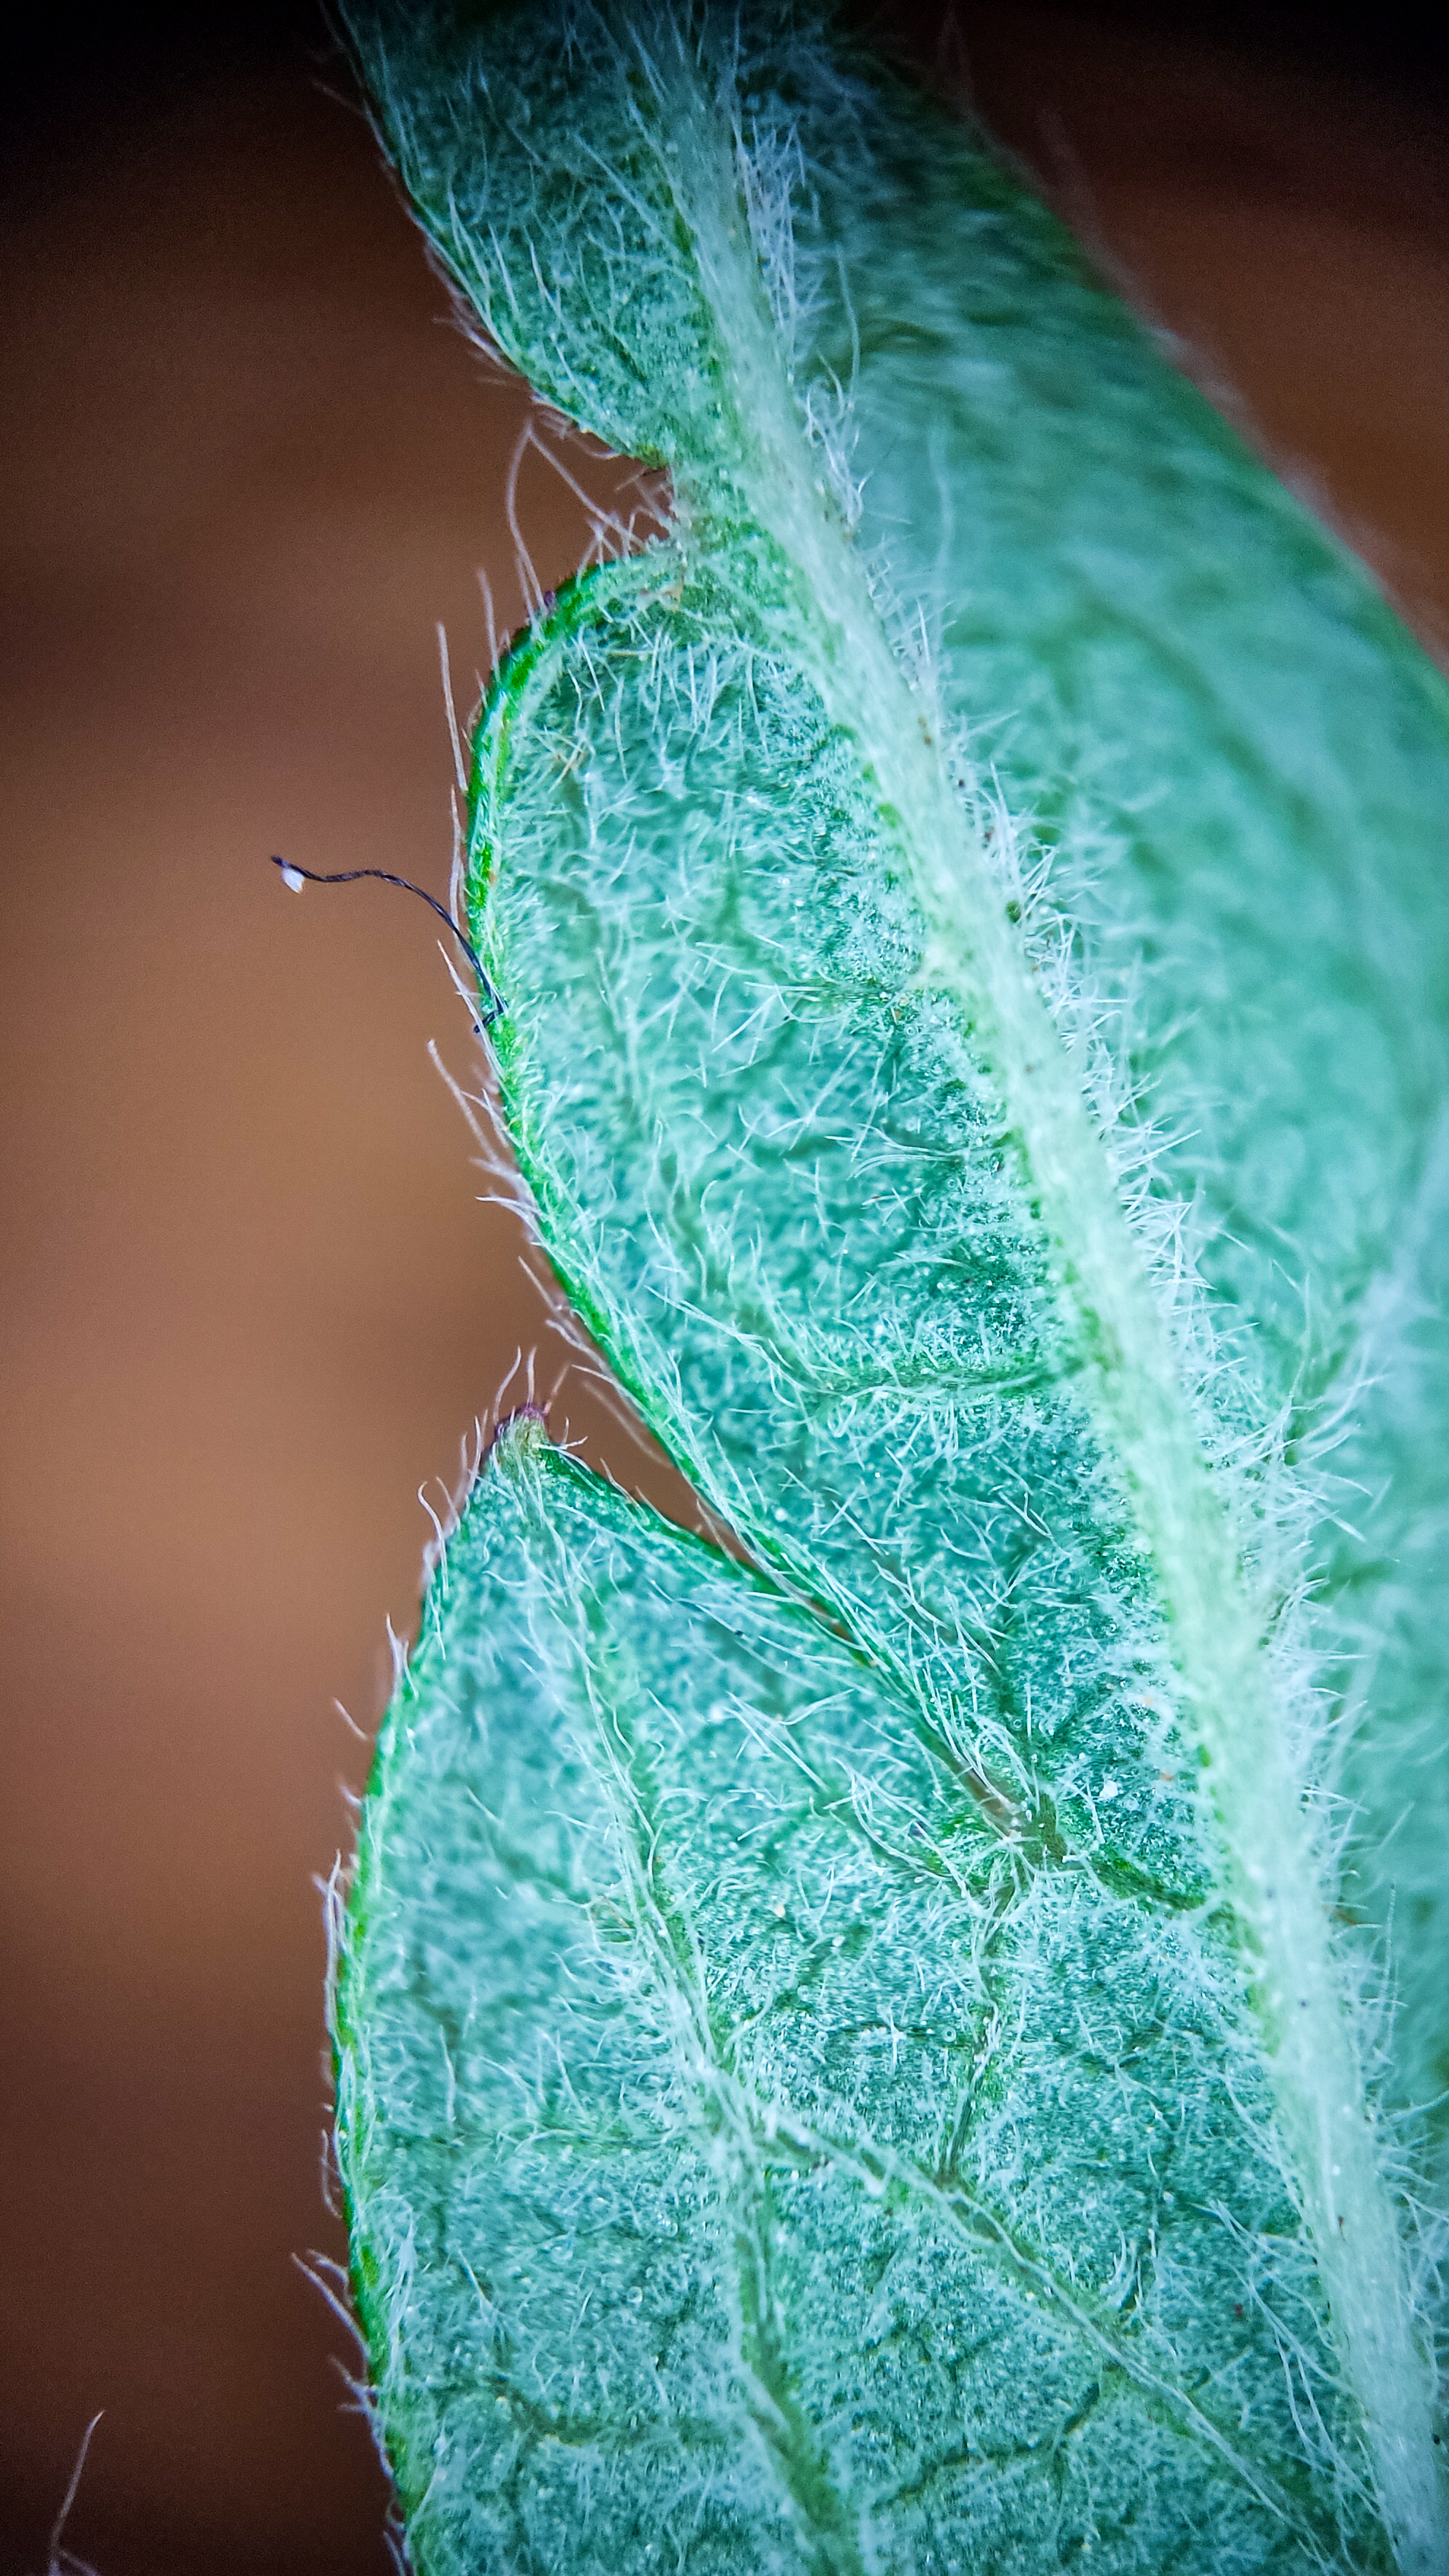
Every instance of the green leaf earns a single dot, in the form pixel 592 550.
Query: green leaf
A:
pixel 1237 763
pixel 846 2062
pixel 755 2161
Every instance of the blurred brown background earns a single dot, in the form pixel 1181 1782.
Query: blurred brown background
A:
pixel 250 1301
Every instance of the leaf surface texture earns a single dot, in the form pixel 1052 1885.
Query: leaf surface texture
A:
pixel 850 2061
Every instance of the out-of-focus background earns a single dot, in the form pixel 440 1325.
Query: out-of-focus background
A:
pixel 250 1299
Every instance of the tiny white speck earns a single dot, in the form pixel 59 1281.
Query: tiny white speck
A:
pixel 1111 1788
pixel 294 879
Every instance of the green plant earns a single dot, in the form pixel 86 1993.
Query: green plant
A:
pixel 860 2058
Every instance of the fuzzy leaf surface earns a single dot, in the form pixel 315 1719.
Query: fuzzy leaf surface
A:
pixel 810 1070
pixel 753 2165
pixel 1236 762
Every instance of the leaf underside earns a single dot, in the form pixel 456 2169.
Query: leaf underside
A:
pixel 811 2091
pixel 757 2165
